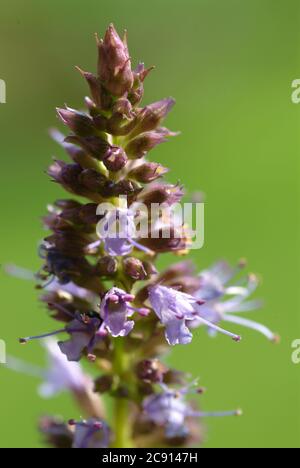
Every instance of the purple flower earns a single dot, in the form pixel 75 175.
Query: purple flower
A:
pixel 215 287
pixel 83 336
pixel 118 231
pixel 115 310
pixel 90 434
pixel 169 409
pixel 84 331
pixel 177 310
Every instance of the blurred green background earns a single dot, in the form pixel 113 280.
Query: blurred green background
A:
pixel 229 64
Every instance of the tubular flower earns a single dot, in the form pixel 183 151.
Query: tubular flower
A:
pixel 170 410
pixel 224 300
pixel 175 310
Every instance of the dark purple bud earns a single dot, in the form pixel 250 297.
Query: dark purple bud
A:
pixel 68 243
pixel 151 370
pixel 114 66
pixel 115 159
pixel 87 214
pixel 107 266
pixel 161 193
pixel 134 268
pixel 166 240
pixel 126 187
pixel 79 122
pixel 92 180
pixel 151 116
pixel 100 122
pixel 103 383
pixel 70 174
pixel 148 172
pixel 67 175
pixel 139 146
pixel 93 145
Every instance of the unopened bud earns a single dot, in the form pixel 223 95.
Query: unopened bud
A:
pixel 78 122
pixel 134 268
pixel 148 172
pixel 136 93
pixel 139 146
pixel 151 116
pixel 107 266
pixel 114 66
pixel 92 180
pixel 161 193
pixel 93 145
pixel 151 370
pixel 103 384
pixel 115 159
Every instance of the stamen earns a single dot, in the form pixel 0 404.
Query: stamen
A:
pixel 61 309
pixel 19 272
pixel 251 324
pixel 142 311
pixel 142 247
pixel 236 338
pixel 39 337
pixel 128 297
pixel 216 414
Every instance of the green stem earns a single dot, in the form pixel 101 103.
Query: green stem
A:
pixel 122 427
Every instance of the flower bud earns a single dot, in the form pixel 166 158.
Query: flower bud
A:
pixel 125 187
pixel 103 384
pixel 115 159
pixel 107 266
pixel 92 180
pixel 93 145
pixel 139 146
pixel 87 214
pixel 136 93
pixel 167 239
pixel 151 370
pixel 134 268
pixel 100 122
pixel 79 122
pixel 161 193
pixel 119 125
pixel 114 66
pixel 151 116
pixel 148 172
